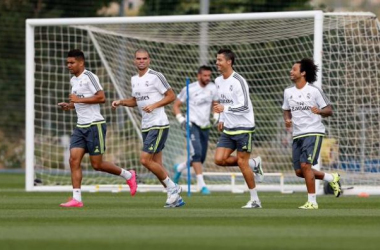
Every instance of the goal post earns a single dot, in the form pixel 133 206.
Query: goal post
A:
pixel 266 45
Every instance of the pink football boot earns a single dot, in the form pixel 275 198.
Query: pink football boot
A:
pixel 132 183
pixel 72 203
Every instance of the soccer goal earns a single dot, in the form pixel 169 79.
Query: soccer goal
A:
pixel 344 45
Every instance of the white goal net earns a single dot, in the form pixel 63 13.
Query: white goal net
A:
pixel 266 45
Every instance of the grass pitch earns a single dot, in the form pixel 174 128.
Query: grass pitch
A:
pixel 118 221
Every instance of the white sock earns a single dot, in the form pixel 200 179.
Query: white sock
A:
pixel 312 198
pixel 200 181
pixel 181 166
pixel 169 183
pixel 254 196
pixel 125 174
pixel 328 177
pixel 77 195
pixel 252 163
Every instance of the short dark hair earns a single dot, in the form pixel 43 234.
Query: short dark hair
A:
pixel 308 66
pixel 203 68
pixel 141 50
pixel 77 53
pixel 228 54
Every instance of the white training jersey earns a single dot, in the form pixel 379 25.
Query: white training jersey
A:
pixel 233 93
pixel 299 102
pixel 200 102
pixel 86 85
pixel 148 89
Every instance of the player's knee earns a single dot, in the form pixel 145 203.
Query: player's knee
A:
pixel 241 161
pixel 219 161
pixel 144 161
pixel 74 162
pixel 97 166
pixel 299 173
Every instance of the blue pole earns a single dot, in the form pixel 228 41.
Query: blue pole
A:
pixel 188 136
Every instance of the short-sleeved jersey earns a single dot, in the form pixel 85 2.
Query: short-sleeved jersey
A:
pixel 299 102
pixel 200 102
pixel 148 89
pixel 86 85
pixel 233 93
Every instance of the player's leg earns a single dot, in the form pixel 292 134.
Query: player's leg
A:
pixel 204 137
pixel 309 149
pixel 223 152
pixel 76 156
pixel 199 144
pixel 333 179
pixel 296 155
pixel 244 144
pixel 243 158
pixel 256 165
pixel 157 157
pixel 179 167
pixel 96 138
pixel 154 164
pixel 77 151
pixel 194 145
pixel 154 142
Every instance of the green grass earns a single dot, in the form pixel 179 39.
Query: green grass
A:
pixel 117 221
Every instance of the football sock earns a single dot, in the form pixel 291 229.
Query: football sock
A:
pixel 181 166
pixel 254 196
pixel 169 183
pixel 77 194
pixel 125 174
pixel 312 198
pixel 252 163
pixel 328 177
pixel 200 181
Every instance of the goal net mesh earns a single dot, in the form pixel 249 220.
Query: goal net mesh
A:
pixel 265 50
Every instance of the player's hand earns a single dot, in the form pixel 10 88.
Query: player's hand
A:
pixel 64 105
pixel 218 108
pixel 220 126
pixel 149 108
pixel 288 123
pixel 115 104
pixel 74 98
pixel 316 110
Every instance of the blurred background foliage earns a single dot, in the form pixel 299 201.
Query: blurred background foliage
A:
pixel 13 14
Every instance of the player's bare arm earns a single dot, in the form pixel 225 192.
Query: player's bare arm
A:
pixel 99 97
pixel 177 112
pixel 177 106
pixel 131 102
pixel 168 98
pixel 325 112
pixel 288 118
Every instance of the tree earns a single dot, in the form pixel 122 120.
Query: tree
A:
pixel 178 7
pixel 13 14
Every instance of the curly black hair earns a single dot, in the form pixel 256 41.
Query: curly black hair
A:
pixel 308 66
